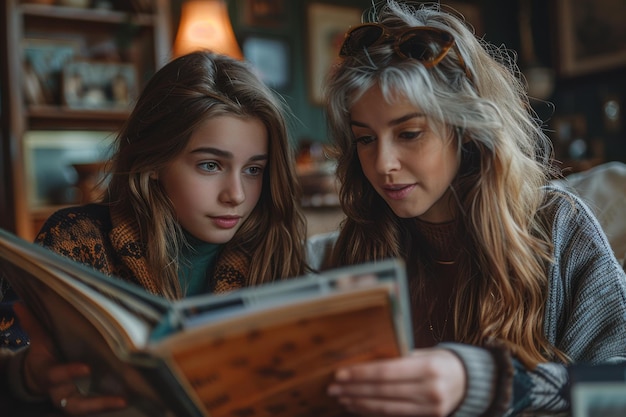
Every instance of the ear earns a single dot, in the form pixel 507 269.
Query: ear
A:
pixel 154 175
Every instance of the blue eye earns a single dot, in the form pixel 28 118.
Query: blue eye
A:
pixel 209 166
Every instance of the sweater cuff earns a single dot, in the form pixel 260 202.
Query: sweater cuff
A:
pixel 480 368
pixel 15 375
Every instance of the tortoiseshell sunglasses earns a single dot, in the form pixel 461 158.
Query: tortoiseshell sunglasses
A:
pixel 427 44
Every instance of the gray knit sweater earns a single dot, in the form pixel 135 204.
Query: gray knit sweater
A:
pixel 585 318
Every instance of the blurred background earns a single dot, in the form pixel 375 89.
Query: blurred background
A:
pixel 71 69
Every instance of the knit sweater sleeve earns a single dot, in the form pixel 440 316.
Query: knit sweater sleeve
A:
pixel 488 378
pixel 585 318
pixel 586 309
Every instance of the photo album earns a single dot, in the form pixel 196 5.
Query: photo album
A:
pixel 268 350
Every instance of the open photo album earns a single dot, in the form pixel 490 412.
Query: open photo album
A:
pixel 269 350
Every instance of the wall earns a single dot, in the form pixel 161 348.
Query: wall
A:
pixel 309 123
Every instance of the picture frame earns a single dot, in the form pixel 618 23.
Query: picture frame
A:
pixel 99 85
pixel 43 62
pixel 271 58
pixel 49 156
pixel 327 25
pixel 590 36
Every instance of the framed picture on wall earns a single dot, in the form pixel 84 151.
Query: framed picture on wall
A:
pixel 270 57
pixel 327 25
pixel 591 35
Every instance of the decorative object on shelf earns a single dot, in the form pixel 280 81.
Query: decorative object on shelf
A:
pixel 327 25
pixel 316 174
pixel 90 182
pixel 319 189
pixel 270 57
pixel 34 92
pixel 99 85
pixel 612 113
pixel 205 24
pixel 574 149
pixel 43 62
pixel 591 35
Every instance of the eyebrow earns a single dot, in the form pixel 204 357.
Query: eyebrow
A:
pixel 225 154
pixel 392 122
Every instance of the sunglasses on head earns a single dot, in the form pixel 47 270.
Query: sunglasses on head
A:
pixel 429 45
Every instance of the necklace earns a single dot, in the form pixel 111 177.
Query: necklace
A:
pixel 439 337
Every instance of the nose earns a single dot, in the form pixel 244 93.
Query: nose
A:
pixel 232 192
pixel 386 159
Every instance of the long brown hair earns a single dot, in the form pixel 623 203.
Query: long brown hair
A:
pixel 177 99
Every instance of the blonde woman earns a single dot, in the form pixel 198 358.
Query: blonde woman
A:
pixel 442 163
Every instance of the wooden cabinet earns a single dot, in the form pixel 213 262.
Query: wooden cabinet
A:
pixel 69 75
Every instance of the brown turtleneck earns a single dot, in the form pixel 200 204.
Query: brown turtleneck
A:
pixel 433 315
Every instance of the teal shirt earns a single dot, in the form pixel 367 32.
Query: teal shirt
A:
pixel 196 268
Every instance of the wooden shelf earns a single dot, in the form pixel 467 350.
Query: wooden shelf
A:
pixel 62 118
pixel 132 33
pixel 87 15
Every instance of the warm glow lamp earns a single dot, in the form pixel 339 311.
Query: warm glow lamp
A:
pixel 205 24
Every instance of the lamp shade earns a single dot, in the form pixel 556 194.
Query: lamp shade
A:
pixel 205 24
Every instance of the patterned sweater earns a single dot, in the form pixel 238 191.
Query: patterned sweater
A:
pixel 585 318
pixel 109 241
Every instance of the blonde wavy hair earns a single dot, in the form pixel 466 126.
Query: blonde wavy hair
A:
pixel 505 160
pixel 177 99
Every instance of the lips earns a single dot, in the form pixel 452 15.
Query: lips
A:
pixel 226 222
pixel 397 192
